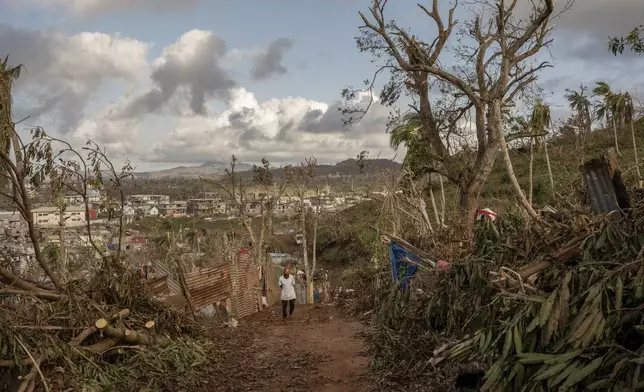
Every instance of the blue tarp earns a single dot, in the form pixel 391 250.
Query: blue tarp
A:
pixel 401 268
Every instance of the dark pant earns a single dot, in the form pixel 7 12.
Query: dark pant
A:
pixel 291 303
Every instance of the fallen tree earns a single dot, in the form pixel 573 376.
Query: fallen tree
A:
pixel 105 332
pixel 541 306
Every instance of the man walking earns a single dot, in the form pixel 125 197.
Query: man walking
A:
pixel 287 284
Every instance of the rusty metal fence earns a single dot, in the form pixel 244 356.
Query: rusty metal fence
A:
pixel 246 293
pixel 209 286
pixel 238 283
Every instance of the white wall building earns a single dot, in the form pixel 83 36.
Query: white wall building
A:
pixel 93 197
pixel 143 200
pixel 50 216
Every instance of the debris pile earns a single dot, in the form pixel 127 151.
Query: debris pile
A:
pixel 103 334
pixel 550 305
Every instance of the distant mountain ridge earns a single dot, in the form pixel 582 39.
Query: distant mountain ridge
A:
pixel 207 169
pixel 217 168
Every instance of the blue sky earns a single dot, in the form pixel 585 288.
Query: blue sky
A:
pixel 116 50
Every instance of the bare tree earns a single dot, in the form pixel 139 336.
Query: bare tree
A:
pixel 540 121
pixel 314 237
pixel 488 79
pixel 300 177
pixel 525 202
pixel 271 192
pixel 76 173
pixel 8 137
pixel 233 186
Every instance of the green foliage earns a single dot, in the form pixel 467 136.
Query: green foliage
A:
pixel 47 328
pixel 178 366
pixel 363 278
pixel 633 41
pixel 347 238
pixel 576 328
pixel 52 253
pixel 540 116
pixel 419 152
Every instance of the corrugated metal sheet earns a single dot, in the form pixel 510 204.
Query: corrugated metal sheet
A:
pixel 173 279
pixel 599 186
pixel 604 183
pixel 210 285
pixel 158 286
pixel 246 298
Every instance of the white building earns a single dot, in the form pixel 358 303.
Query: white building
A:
pixel 50 216
pixel 152 211
pixel 128 214
pixel 148 200
pixel 73 199
pixel 93 197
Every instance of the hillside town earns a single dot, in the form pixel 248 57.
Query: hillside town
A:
pixel 64 223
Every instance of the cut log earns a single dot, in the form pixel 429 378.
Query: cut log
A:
pixel 150 328
pixel 78 340
pixel 132 337
pixel 102 346
pixel 122 314
pixel 101 324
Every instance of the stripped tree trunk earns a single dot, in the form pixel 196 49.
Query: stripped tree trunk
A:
pixel 515 183
pixel 637 161
pixel 615 136
pixel 552 181
pixel 431 196
pixel 530 167
pixel 440 181
pixel 316 213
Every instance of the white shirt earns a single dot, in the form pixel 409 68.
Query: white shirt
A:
pixel 288 287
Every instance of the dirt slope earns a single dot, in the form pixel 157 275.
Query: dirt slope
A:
pixel 315 351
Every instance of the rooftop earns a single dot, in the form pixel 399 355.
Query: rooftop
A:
pixel 55 209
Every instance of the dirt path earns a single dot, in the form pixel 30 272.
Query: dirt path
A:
pixel 315 351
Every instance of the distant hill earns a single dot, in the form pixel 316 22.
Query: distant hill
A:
pixel 210 168
pixel 214 168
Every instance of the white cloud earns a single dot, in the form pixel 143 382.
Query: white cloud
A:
pixel 85 7
pixel 282 130
pixel 68 76
pixel 189 67
pixel 268 61
pixel 120 137
pixel 64 73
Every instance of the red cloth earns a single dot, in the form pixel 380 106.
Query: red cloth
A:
pixel 442 264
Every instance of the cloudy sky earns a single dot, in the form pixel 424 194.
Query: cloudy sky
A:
pixel 169 82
